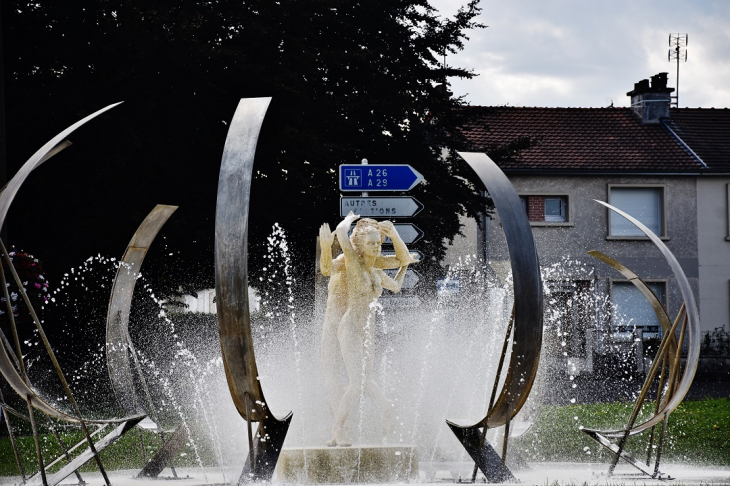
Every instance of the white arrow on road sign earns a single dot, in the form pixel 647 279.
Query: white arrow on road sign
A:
pixel 408 301
pixel 408 232
pixel 411 280
pixel 380 207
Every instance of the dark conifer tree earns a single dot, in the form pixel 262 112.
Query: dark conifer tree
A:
pixel 349 80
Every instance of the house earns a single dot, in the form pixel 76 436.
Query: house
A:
pixel 706 132
pixel 668 167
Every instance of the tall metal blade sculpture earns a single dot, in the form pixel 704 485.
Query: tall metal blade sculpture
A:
pixel 16 377
pixel 674 387
pixel 119 347
pixel 231 285
pixel 118 343
pixel 525 326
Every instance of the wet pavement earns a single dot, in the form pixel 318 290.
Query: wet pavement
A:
pixel 538 474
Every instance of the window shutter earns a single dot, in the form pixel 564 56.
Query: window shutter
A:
pixel 643 203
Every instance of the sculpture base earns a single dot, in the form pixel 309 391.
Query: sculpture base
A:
pixel 348 465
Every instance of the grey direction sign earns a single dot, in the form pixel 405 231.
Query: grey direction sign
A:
pixel 409 233
pixel 380 207
pixel 411 280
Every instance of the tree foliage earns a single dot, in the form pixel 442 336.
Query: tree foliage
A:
pixel 349 80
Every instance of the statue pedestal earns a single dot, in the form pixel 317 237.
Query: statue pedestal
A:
pixel 348 465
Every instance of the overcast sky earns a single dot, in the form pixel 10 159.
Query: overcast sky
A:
pixel 589 53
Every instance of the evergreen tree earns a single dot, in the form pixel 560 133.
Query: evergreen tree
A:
pixel 349 80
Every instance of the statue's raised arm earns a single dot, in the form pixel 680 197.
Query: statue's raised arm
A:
pixel 402 257
pixel 344 239
pixel 396 283
pixel 326 239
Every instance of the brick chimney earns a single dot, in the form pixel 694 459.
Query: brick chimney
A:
pixel 650 103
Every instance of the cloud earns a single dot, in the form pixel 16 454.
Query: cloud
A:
pixel 580 53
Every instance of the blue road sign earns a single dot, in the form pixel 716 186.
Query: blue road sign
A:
pixel 395 177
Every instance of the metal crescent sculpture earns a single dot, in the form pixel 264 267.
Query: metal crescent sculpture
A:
pixel 526 324
pixel 231 285
pixel 16 382
pixel 656 306
pixel 119 347
pixel 15 377
pixel 677 387
pixel 118 343
pixel 8 370
pixel 54 145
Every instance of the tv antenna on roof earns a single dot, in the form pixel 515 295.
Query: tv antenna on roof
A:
pixel 678 52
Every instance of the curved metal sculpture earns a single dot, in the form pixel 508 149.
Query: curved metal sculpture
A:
pixel 231 285
pixel 119 347
pixel 525 326
pixel 118 343
pixel 8 370
pixel 52 147
pixel 679 380
pixel 16 377
pixel 658 309
pixel 17 383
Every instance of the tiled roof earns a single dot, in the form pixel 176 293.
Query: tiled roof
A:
pixel 576 139
pixel 707 132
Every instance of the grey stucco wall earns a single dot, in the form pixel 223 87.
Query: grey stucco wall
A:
pixel 714 252
pixel 697 234
pixel 565 245
pixel 464 245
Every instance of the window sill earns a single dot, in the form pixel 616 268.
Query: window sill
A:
pixel 727 238
pixel 633 238
pixel 551 223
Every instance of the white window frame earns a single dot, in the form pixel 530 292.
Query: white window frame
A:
pixel 547 195
pixel 662 208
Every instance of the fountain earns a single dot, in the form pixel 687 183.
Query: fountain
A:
pixel 417 361
pixel 235 323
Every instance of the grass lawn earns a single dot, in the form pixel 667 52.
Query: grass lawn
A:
pixel 698 433
pixel 126 453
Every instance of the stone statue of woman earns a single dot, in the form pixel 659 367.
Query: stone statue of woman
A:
pixel 357 280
